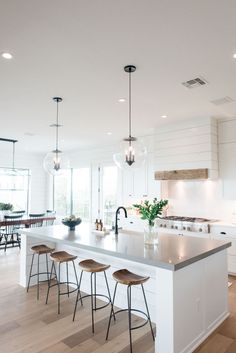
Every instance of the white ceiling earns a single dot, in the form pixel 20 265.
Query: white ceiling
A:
pixel 77 49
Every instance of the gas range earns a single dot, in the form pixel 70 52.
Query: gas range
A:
pixel 191 224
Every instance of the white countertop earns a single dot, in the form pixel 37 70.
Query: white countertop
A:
pixel 172 252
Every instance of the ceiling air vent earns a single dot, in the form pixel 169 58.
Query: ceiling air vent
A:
pixel 196 82
pixel 223 100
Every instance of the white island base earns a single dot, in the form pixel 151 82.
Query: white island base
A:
pixel 187 292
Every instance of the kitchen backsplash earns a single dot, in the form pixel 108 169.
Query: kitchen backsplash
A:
pixel 200 199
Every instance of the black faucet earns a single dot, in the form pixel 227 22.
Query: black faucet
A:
pixel 118 211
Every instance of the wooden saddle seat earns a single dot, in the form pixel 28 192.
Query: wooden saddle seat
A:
pixel 42 249
pixel 128 278
pixel 62 256
pixel 92 266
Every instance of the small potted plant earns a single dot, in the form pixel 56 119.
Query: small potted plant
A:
pixel 150 211
pixel 5 209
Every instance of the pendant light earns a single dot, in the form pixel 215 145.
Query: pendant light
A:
pixel 133 153
pixel 56 162
pixel 11 171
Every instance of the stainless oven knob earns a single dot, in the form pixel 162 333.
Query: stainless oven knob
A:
pixel 184 228
pixel 161 225
pixel 164 225
pixel 188 228
pixel 172 227
pixel 200 229
pixel 176 227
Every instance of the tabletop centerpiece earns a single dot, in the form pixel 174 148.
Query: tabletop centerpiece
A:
pixel 149 212
pixel 71 221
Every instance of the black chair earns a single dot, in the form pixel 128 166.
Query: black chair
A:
pixel 36 216
pixel 10 233
pixel 19 212
pixel 50 213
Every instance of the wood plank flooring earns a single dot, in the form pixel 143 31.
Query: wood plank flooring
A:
pixel 30 326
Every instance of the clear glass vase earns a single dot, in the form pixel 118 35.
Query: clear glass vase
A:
pixel 150 234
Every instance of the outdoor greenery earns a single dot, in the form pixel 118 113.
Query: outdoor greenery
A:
pixel 6 206
pixel 151 211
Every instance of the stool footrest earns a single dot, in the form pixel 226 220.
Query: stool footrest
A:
pixel 97 295
pixel 43 273
pixel 67 283
pixel 136 310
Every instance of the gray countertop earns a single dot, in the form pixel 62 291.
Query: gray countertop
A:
pixel 172 252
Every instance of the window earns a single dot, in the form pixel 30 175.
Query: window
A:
pixel 81 192
pixel 109 193
pixel 62 193
pixel 14 188
pixel 72 193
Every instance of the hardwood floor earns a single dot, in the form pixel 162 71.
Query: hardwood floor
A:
pixel 30 326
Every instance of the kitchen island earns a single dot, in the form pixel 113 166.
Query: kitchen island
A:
pixel 187 290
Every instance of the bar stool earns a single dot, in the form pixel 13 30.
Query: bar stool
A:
pixel 130 279
pixel 62 257
pixel 93 267
pixel 39 250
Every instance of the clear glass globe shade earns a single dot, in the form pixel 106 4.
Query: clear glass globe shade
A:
pixel 136 154
pixel 56 163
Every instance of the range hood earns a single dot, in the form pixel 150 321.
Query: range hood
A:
pixel 182 174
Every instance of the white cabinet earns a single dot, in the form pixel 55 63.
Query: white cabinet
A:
pixel 140 184
pixel 227 233
pixel 133 223
pixel 227 153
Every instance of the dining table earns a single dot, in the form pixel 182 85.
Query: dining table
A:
pixel 25 221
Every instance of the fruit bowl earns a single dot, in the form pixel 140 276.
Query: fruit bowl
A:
pixel 71 222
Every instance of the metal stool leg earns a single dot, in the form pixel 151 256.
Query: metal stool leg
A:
pixel 31 267
pixel 59 287
pixel 112 311
pixel 109 293
pixel 67 278
pixel 78 293
pixel 129 316
pixel 49 284
pixel 78 282
pixel 92 309
pixel 95 291
pixel 47 267
pixel 6 237
pixel 38 278
pixel 148 315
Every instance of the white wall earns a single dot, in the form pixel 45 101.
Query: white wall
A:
pixel 34 162
pixel 214 198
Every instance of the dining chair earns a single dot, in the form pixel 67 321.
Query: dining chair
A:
pixel 36 216
pixel 10 232
pixel 50 213
pixel 22 212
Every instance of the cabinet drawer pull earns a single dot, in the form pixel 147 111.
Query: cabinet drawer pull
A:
pixel 223 233
pixel 131 222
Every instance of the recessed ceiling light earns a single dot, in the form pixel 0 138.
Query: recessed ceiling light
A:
pixel 234 55
pixel 7 55
pixel 109 133
pixel 121 100
pixel 164 116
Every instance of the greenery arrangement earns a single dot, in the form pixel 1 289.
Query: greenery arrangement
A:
pixel 6 206
pixel 151 211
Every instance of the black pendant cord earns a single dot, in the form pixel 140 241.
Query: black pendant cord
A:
pixel 130 109
pixel 13 155
pixel 57 128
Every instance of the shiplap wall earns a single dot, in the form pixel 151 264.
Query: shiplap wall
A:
pixel 187 145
